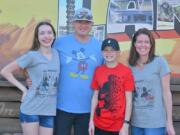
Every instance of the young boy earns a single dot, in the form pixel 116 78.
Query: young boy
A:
pixel 113 84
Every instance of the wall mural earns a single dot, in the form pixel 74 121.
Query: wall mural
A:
pixel 112 18
pixel 18 19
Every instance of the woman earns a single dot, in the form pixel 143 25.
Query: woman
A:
pixel 38 106
pixel 152 100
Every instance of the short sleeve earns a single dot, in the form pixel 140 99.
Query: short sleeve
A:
pixel 57 44
pixel 129 81
pixel 94 83
pixel 164 67
pixel 25 60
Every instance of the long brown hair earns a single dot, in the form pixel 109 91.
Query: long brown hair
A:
pixel 134 56
pixel 36 44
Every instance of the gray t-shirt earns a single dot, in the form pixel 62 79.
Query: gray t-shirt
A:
pixel 42 95
pixel 148 106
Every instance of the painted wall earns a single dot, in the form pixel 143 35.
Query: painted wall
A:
pixel 114 18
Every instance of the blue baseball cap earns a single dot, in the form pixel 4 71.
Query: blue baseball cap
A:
pixel 110 42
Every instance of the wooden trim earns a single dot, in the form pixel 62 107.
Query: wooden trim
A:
pixel 176 114
pixel 175 80
pixel 10 94
pixel 175 87
pixel 4 83
pixel 10 125
pixel 177 127
pixel 176 98
pixel 9 109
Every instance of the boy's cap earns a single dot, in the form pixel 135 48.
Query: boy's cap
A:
pixel 110 42
pixel 83 14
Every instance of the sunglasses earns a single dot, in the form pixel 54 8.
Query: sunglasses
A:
pixel 83 15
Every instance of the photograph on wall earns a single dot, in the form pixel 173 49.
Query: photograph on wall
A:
pixel 166 11
pixel 129 13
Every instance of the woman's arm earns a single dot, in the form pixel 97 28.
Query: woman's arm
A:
pixel 94 102
pixel 7 72
pixel 168 103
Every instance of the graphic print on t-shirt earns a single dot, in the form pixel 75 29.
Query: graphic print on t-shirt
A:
pixel 82 65
pixel 143 94
pixel 108 95
pixel 48 84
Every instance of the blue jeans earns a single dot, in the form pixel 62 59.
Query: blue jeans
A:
pixel 148 131
pixel 44 121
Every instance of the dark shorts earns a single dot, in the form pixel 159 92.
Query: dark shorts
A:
pixel 103 132
pixel 64 122
pixel 44 121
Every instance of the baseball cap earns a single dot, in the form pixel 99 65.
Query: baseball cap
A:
pixel 110 42
pixel 83 14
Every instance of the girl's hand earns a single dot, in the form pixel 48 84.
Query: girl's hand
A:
pixel 29 82
pixel 23 96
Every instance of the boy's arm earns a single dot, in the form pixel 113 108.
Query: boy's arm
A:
pixel 128 106
pixel 125 128
pixel 94 102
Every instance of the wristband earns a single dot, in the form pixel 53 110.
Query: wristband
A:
pixel 127 122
